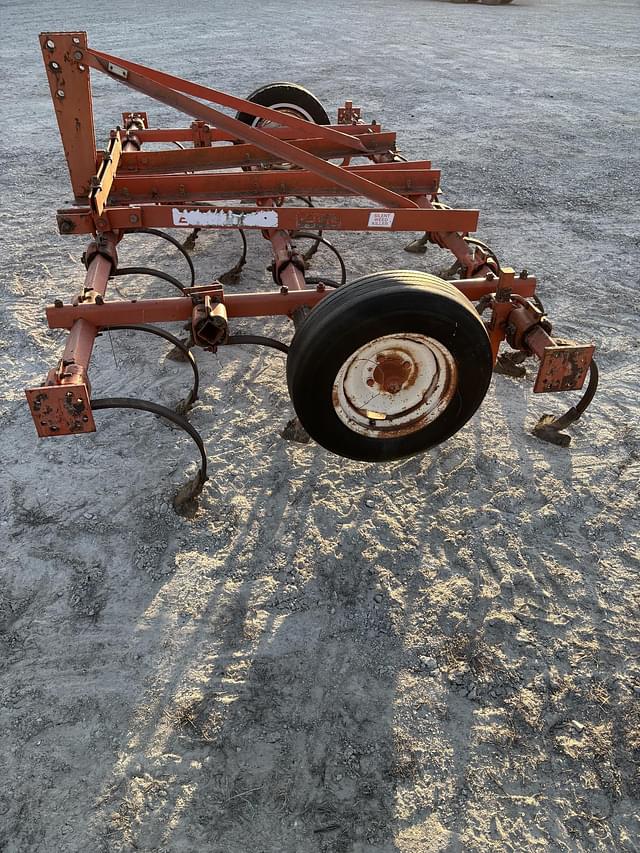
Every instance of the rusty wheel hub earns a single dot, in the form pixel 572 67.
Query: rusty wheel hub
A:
pixel 394 385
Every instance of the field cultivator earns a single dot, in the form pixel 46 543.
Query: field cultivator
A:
pixel 379 368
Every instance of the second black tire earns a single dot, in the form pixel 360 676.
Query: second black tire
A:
pixel 286 96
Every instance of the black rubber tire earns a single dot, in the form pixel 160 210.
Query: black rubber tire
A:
pixel 290 94
pixel 385 303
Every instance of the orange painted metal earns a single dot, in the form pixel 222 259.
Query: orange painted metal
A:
pixel 163 88
pixel 68 76
pixel 237 304
pixel 271 303
pixel 102 185
pixel 233 156
pixel 137 117
pixel 137 76
pixel 475 288
pixel 502 306
pixel 563 367
pixel 136 189
pixel 61 410
pixel 61 406
pixel 288 266
pixel 80 221
pixel 187 134
pixel 260 184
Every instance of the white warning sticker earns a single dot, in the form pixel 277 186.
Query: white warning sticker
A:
pixel 381 220
pixel 225 218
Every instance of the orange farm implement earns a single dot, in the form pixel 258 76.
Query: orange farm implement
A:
pixel 379 368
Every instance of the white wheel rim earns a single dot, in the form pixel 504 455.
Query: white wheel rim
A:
pixel 291 109
pixel 394 385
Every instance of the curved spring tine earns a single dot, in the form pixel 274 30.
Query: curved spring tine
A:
pixel 148 271
pixel 184 405
pixel 320 239
pixel 592 387
pixel 231 276
pixel 473 241
pixel 184 501
pixel 549 427
pixel 257 339
pixel 243 256
pixel 189 242
pixel 314 248
pixel 171 239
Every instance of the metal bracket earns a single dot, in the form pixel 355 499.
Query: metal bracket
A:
pixel 68 75
pixel 117 70
pixel 563 368
pixel 348 114
pixel 128 118
pixel 61 409
pixel 102 182
pixel 201 134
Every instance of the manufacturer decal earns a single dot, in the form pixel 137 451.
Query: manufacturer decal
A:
pixel 225 218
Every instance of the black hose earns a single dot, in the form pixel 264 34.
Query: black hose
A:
pixel 162 333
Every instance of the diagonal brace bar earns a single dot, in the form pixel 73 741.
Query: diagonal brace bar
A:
pixel 115 66
pixel 161 92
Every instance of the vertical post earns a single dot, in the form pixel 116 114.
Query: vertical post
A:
pixel 286 261
pixel 68 75
pixel 61 406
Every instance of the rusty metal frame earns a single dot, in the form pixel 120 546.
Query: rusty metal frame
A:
pixel 128 188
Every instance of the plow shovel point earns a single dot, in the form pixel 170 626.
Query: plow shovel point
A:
pixel 185 501
pixel 546 431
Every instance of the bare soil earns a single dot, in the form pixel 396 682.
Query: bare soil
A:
pixel 331 657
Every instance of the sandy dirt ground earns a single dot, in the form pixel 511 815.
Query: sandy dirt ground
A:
pixel 440 654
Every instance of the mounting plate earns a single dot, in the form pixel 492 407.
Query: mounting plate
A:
pixel 563 368
pixel 61 409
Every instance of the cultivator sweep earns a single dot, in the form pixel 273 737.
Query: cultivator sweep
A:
pixel 379 368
